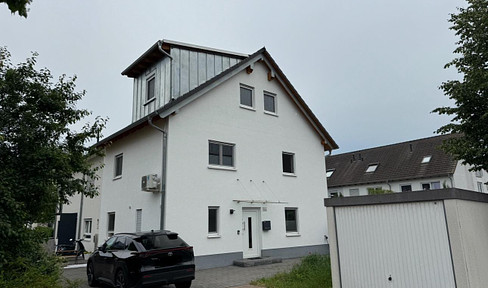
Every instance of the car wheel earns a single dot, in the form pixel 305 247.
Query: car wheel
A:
pixel 121 279
pixel 186 284
pixel 90 273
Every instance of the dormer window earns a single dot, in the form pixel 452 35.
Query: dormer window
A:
pixel 151 85
pixel 372 168
pixel 329 172
pixel 426 159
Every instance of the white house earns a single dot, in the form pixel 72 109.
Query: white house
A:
pixel 80 219
pixel 408 166
pixel 222 150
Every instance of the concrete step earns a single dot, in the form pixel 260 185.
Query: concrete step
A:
pixel 256 261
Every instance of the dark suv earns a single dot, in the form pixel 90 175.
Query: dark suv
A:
pixel 141 259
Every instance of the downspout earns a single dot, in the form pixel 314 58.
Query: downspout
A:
pixel 80 215
pixel 163 170
pixel 389 185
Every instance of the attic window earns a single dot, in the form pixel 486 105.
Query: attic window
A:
pixel 329 172
pixel 372 168
pixel 426 159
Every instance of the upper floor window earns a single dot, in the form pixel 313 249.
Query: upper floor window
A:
pixel 288 163
pixel 426 159
pixel 151 86
pixel 329 172
pixel 372 168
pixel 119 159
pixel 247 96
pixel 354 192
pixel 479 173
pixel 480 186
pixel 220 154
pixel 406 188
pixel 269 102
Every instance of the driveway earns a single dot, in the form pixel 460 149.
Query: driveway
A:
pixel 230 276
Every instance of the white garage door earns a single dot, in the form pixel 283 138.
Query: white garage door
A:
pixel 394 245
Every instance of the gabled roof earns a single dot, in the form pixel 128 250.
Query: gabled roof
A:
pixel 396 162
pixel 185 99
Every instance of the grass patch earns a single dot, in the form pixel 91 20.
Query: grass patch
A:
pixel 313 271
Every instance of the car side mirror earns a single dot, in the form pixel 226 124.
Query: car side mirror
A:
pixel 102 248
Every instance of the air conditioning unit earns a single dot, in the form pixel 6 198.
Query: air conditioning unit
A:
pixel 150 183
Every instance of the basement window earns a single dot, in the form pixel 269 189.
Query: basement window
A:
pixel 372 168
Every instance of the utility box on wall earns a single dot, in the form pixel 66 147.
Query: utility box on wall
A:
pixel 436 238
pixel 266 225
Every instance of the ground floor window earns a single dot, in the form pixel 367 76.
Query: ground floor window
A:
pixel 213 220
pixel 111 224
pixel 138 220
pixel 87 230
pixel 291 220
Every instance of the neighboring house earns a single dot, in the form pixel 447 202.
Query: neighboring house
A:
pixel 408 166
pixel 222 150
pixel 80 219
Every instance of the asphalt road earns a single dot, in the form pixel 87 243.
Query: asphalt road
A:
pixel 224 277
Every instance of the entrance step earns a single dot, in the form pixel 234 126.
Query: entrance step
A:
pixel 256 261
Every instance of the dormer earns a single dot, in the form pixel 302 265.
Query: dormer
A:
pixel 171 69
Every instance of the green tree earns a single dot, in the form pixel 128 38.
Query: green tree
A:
pixel 41 157
pixel 470 94
pixel 19 6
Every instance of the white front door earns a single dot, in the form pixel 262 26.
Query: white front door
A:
pixel 251 233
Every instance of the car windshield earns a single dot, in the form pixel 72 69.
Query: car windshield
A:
pixel 161 241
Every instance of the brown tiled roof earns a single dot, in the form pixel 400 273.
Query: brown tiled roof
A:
pixel 396 162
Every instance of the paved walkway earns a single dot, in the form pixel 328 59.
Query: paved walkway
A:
pixel 225 277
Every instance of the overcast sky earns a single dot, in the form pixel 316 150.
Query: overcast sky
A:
pixel 369 70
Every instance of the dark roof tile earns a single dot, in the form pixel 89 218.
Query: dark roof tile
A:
pixel 401 161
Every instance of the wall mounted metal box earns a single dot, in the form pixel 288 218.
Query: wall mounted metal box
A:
pixel 266 225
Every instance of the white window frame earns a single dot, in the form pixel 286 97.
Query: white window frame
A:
pixel 110 232
pixel 152 77
pixel 87 228
pixel 354 190
pixel 253 100
pixel 402 185
pixel 329 172
pixel 372 167
pixel 293 164
pixel 118 156
pixel 221 164
pixel 333 193
pixel 297 230
pixel 275 106
pixel 216 233
pixel 138 220
pixel 435 182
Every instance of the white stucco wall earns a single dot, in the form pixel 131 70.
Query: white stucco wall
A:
pixel 259 140
pixel 465 179
pixel 394 186
pixel 141 156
